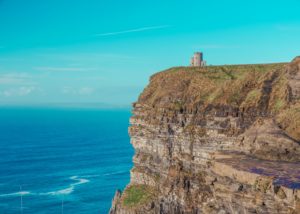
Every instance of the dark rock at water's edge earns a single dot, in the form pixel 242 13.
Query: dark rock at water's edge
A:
pixel 216 139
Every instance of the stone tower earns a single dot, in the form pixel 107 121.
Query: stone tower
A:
pixel 197 60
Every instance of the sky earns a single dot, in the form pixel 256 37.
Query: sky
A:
pixel 104 51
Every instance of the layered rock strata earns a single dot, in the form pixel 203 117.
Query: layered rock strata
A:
pixel 218 139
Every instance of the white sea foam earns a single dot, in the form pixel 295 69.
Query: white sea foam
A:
pixel 115 173
pixel 69 189
pixel 65 191
pixel 91 176
pixel 16 194
pixel 80 180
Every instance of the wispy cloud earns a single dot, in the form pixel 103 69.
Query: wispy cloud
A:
pixel 133 30
pixel 83 59
pixel 215 46
pixel 63 69
pixel 19 91
pixel 86 91
pixel 78 91
pixel 16 79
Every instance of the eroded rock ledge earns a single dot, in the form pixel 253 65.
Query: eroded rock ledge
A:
pixel 219 139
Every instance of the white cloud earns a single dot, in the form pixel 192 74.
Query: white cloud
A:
pixel 86 91
pixel 77 91
pixel 20 91
pixel 63 69
pixel 77 60
pixel 15 79
pixel 25 90
pixel 133 30
pixel 67 90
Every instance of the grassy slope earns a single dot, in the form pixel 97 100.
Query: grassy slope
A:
pixel 263 87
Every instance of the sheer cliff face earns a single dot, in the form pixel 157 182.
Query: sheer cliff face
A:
pixel 216 140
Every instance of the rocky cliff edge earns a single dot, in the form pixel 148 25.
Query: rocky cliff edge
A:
pixel 217 139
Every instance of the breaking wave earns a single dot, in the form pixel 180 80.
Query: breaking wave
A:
pixel 16 194
pixel 65 191
pixel 70 189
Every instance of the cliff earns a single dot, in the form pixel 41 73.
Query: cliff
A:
pixel 217 139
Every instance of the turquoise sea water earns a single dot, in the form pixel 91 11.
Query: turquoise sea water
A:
pixel 62 160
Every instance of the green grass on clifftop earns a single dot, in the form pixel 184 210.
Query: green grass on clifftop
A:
pixel 260 88
pixel 241 86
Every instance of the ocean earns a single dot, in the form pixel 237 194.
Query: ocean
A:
pixel 62 160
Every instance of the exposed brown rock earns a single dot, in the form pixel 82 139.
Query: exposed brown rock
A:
pixel 293 71
pixel 264 139
pixel 218 139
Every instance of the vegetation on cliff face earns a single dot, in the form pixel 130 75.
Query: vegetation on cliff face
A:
pixel 136 195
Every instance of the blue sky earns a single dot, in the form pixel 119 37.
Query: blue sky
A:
pixel 102 51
